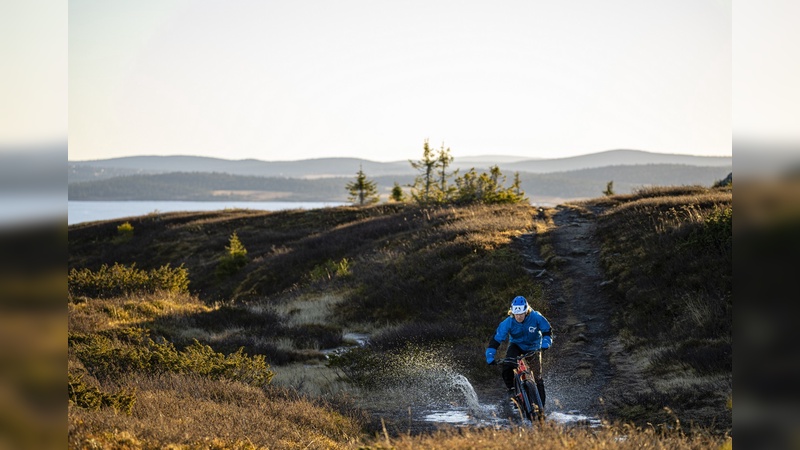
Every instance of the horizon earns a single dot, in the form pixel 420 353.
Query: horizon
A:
pixel 486 155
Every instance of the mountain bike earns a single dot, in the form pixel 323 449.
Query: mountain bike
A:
pixel 527 399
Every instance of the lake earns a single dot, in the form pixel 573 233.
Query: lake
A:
pixel 85 211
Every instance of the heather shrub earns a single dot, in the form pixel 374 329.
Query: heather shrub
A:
pixel 715 233
pixel 330 269
pixel 108 358
pixel 120 280
pixel 86 396
pixel 316 336
pixel 124 232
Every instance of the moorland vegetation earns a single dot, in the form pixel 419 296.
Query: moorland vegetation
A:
pixel 167 349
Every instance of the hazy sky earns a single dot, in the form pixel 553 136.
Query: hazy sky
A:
pixel 374 80
pixel 314 78
pixel 33 71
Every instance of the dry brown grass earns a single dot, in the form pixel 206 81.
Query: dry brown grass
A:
pixel 185 411
pixel 92 315
pixel 551 437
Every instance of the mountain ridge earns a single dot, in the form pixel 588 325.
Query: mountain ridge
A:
pixel 348 166
pixel 199 186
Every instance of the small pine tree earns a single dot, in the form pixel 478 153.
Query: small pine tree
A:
pixel 516 188
pixel 362 191
pixel 444 159
pixel 235 257
pixel 609 189
pixel 397 194
pixel 422 189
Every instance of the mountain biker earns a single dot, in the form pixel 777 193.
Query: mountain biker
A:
pixel 526 330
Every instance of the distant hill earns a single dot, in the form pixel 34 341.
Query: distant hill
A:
pixel 307 168
pixel 198 186
pixel 618 158
pixel 492 159
pixel 347 167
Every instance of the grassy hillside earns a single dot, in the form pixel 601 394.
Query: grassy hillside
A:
pixel 355 268
pixel 668 252
pixel 171 343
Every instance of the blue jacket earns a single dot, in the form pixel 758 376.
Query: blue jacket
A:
pixel 532 334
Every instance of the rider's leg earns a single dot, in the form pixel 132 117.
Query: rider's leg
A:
pixel 508 369
pixel 536 368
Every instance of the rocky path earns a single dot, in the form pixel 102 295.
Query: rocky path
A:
pixel 577 368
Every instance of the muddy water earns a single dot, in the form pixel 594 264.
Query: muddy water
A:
pixel 427 391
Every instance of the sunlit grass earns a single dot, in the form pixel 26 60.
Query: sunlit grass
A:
pixel 185 411
pixel 93 314
pixel 551 437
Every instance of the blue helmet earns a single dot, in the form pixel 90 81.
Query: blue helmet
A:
pixel 519 305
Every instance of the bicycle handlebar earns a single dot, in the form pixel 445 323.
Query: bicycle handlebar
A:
pixel 514 359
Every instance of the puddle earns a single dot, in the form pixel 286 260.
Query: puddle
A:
pixel 489 416
pixel 464 416
pixel 574 418
pixel 474 413
pixel 356 340
pixel 452 417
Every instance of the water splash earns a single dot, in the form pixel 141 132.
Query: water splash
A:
pixel 426 382
pixel 469 411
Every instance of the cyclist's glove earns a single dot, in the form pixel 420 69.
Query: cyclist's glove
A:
pixel 490 355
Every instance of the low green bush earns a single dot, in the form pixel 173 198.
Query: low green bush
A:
pixel 89 397
pixel 119 280
pixel 330 269
pixel 124 232
pixel 715 232
pixel 108 358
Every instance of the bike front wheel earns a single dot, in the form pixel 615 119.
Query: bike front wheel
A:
pixel 537 407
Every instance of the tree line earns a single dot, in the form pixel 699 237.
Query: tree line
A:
pixel 216 186
pixel 436 184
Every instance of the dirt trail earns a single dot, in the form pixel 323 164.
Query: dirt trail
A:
pixel 577 368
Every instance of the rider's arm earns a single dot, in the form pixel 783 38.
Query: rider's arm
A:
pixel 547 331
pixel 500 335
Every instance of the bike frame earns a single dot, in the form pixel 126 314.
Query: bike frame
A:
pixel 527 398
